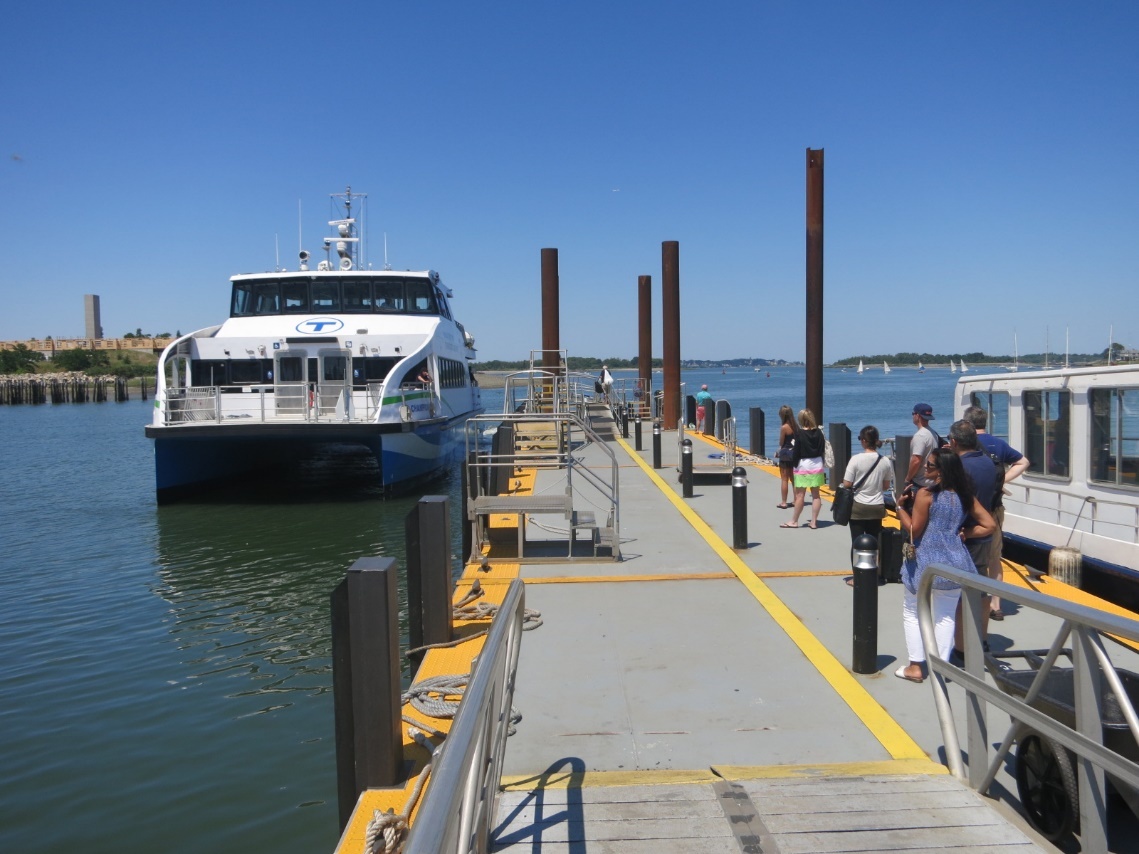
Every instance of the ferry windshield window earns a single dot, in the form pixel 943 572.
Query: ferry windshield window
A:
pixel 295 295
pixel 255 298
pixel 1046 434
pixel 325 296
pixel 1114 448
pixel 357 296
pixel 334 368
pixel 389 296
pixel 421 297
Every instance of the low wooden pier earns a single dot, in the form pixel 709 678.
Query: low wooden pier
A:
pixel 65 388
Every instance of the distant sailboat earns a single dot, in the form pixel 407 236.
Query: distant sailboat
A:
pixel 860 368
pixel 885 368
pixel 1015 357
pixel 952 367
pixel 963 368
pixel 921 368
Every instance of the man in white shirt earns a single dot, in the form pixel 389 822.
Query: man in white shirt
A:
pixel 921 444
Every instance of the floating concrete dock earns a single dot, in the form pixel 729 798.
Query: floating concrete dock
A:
pixel 696 697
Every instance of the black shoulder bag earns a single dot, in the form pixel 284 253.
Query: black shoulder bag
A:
pixel 843 504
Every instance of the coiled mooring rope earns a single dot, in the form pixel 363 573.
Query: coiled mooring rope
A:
pixel 465 611
pixel 390 828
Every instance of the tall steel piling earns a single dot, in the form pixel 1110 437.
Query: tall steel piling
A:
pixel 815 283
pixel 645 338
pixel 551 319
pixel 670 306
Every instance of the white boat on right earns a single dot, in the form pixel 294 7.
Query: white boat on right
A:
pixel 1079 428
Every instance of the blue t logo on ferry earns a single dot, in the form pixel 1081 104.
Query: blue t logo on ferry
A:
pixel 319 324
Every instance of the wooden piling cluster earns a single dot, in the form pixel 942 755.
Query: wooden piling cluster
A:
pixel 64 388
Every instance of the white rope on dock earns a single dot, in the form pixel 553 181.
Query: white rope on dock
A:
pixel 464 611
pixel 390 828
pixel 433 696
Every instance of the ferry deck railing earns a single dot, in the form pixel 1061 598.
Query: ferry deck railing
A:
pixel 304 402
pixel 460 802
pixel 1053 504
pixel 1085 628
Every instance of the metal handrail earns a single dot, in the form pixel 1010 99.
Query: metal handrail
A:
pixel 1085 626
pixel 460 804
pixel 478 457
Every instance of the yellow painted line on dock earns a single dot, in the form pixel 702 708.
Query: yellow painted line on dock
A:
pixel 1019 576
pixel 882 726
pixel 676 576
pixel 616 779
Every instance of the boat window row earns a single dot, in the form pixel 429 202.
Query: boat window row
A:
pixel 452 373
pixel 1046 440
pixel 387 295
pixel 293 369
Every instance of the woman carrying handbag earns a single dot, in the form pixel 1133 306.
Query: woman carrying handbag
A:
pixel 934 523
pixel 869 476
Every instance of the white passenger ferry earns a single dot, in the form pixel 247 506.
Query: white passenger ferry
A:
pixel 1079 428
pixel 327 357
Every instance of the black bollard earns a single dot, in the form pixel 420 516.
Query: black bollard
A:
pixel 637 432
pixel 864 562
pixel 686 467
pixel 366 681
pixel 739 508
pixel 427 537
pixel 624 422
pixel 656 443
pixel 755 441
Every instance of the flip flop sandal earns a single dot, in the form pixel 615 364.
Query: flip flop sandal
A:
pixel 901 674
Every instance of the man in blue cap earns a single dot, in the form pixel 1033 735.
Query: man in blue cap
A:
pixel 923 441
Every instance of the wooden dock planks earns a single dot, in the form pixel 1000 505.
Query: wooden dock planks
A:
pixel 790 815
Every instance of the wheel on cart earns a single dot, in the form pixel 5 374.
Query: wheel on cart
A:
pixel 1046 783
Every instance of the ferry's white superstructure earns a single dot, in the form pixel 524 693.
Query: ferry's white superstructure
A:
pixel 1079 428
pixel 328 357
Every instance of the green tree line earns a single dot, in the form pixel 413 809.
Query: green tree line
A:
pixel 978 358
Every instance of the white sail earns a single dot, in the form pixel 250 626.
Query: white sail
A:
pixel 885 368
pixel 860 366
pixel 921 367
pixel 952 367
pixel 963 368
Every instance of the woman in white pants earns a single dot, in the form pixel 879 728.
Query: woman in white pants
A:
pixel 939 515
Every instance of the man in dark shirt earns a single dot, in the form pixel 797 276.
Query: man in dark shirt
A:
pixel 983 474
pixel 1014 464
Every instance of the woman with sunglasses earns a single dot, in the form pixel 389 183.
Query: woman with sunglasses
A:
pixel 935 522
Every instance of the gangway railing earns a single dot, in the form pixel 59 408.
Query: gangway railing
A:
pixel 1085 627
pixel 566 437
pixel 461 799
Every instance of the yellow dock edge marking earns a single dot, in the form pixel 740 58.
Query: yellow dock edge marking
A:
pixel 683 576
pixel 603 779
pixel 882 726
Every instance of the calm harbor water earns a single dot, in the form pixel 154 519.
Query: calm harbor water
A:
pixel 165 675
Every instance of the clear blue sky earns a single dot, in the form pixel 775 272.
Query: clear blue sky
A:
pixel 981 168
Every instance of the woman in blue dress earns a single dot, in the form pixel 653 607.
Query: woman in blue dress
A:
pixel 941 513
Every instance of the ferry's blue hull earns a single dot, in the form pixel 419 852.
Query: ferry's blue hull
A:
pixel 189 460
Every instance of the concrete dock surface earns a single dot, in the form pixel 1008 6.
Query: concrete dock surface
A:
pixel 692 697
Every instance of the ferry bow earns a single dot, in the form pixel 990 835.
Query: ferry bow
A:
pixel 313 360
